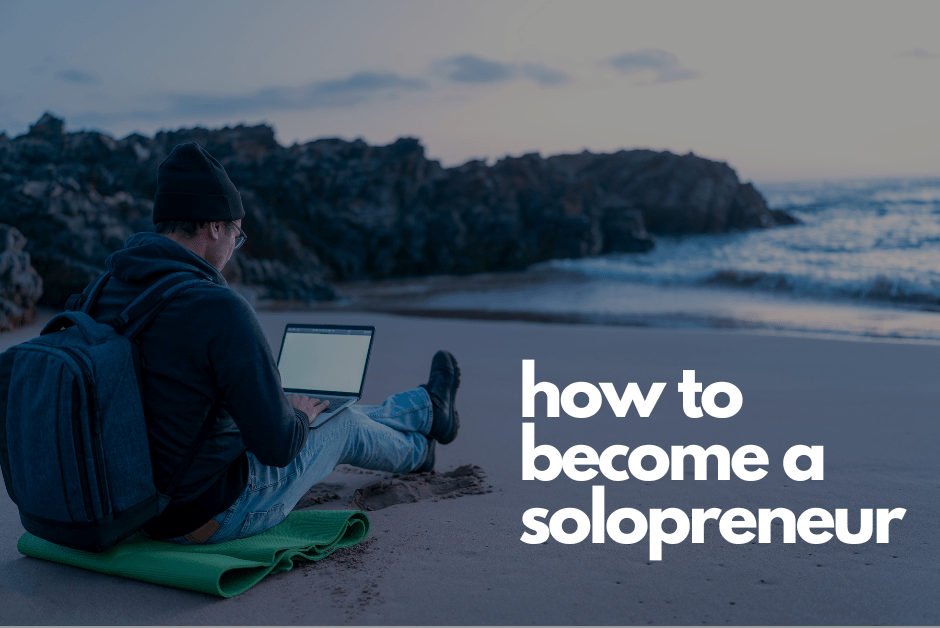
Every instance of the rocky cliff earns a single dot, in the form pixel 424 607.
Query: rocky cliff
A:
pixel 334 210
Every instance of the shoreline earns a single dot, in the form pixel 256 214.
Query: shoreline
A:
pixel 658 323
pixel 540 297
pixel 548 296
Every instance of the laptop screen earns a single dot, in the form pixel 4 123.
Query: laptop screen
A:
pixel 324 358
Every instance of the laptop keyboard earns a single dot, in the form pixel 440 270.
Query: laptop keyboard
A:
pixel 335 402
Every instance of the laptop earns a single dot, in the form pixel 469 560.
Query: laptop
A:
pixel 327 362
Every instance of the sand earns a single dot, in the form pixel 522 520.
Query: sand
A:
pixel 872 405
pixel 337 492
pixel 467 479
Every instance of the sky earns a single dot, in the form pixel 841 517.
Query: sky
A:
pixel 779 90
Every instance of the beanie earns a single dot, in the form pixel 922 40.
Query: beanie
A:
pixel 192 185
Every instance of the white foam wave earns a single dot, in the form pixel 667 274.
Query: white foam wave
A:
pixel 875 240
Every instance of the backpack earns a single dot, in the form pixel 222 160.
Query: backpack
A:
pixel 74 450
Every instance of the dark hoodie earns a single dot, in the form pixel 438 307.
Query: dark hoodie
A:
pixel 206 344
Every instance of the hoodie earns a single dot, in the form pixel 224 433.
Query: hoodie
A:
pixel 207 344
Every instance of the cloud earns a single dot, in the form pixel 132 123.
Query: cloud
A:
pixel 471 69
pixel 363 83
pixel 919 53
pixel 474 69
pixel 544 75
pixel 356 89
pixel 663 64
pixel 77 76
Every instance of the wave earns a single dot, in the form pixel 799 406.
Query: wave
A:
pixel 875 240
pixel 878 288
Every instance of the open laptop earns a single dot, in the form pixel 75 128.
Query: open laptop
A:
pixel 327 362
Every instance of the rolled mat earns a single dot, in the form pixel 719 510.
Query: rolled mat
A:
pixel 223 569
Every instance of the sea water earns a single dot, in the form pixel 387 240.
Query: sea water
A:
pixel 866 240
pixel 864 262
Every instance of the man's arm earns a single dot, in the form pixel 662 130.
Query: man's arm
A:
pixel 249 382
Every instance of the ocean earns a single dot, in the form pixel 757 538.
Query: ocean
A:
pixel 864 262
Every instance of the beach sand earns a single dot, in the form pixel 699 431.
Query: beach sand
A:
pixel 872 405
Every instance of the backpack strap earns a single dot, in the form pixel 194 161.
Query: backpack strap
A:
pixel 132 320
pixel 201 437
pixel 83 302
pixel 139 312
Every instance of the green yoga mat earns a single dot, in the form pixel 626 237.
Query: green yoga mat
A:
pixel 224 569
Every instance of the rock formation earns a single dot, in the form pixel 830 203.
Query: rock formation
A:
pixel 334 210
pixel 20 284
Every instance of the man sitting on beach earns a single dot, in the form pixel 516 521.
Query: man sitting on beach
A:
pixel 206 351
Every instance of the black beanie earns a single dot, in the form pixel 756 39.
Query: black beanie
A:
pixel 192 185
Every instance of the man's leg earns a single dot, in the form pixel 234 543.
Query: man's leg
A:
pixel 395 436
pixel 364 436
pixel 389 437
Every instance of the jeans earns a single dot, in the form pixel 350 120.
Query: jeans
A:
pixel 389 437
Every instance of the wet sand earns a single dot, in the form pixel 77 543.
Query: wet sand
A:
pixel 872 405
pixel 557 296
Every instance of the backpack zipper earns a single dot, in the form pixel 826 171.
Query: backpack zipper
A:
pixel 97 452
pixel 80 449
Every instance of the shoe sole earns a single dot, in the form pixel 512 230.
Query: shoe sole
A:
pixel 453 395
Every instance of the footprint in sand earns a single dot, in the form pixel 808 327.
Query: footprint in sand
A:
pixel 413 487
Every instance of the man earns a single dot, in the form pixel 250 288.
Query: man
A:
pixel 205 353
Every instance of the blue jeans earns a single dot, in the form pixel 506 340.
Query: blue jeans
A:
pixel 389 437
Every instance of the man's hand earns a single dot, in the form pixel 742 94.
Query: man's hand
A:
pixel 308 405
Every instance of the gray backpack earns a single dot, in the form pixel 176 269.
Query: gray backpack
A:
pixel 73 439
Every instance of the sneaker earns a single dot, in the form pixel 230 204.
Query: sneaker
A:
pixel 442 388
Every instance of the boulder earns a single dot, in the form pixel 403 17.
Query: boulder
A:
pixel 48 128
pixel 624 230
pixel 676 194
pixel 70 233
pixel 20 284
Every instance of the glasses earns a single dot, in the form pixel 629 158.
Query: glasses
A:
pixel 241 238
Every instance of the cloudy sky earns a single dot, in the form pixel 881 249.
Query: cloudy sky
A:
pixel 780 90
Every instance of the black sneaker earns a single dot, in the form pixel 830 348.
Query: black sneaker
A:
pixel 442 388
